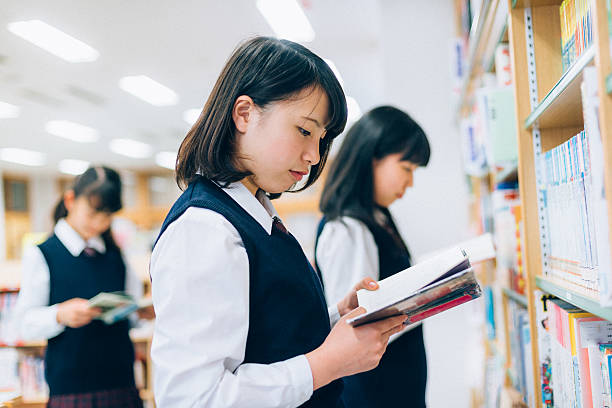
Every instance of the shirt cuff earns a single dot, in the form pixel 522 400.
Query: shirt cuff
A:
pixel 54 327
pixel 334 315
pixel 301 375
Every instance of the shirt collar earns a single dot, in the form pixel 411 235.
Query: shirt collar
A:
pixel 74 242
pixel 258 206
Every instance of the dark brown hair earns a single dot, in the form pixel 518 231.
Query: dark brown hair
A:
pixel 267 70
pixel 102 188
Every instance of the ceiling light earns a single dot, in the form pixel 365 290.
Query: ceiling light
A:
pixel 166 159
pixel 191 115
pixel 143 87
pixel 73 166
pixel 72 131
pixel 54 41
pixel 334 69
pixel 287 19
pixel 9 111
pixel 131 148
pixel 22 156
pixel 354 111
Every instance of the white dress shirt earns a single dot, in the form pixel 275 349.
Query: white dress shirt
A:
pixel 200 276
pixel 37 320
pixel 346 254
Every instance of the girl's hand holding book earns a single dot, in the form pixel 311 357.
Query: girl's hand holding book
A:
pixel 350 300
pixel 76 313
pixel 350 350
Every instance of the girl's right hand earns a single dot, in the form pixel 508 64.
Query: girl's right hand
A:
pixel 349 350
pixel 76 313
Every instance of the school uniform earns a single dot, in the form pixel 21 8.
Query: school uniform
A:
pixel 90 366
pixel 237 305
pixel 348 250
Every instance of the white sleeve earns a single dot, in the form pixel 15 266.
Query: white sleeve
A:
pixel 200 278
pixel 346 253
pixel 35 318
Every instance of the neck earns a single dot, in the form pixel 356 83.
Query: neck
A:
pixel 250 185
pixel 71 223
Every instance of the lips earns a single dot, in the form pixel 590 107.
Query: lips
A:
pixel 298 175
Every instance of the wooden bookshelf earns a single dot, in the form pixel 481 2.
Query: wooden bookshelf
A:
pixel 548 105
pixel 557 116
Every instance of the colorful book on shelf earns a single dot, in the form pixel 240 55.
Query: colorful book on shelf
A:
pixel 421 291
pixel 116 306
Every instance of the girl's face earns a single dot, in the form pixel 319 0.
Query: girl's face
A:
pixel 279 144
pixel 392 176
pixel 85 219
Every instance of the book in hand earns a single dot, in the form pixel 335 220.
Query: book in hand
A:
pixel 116 306
pixel 437 284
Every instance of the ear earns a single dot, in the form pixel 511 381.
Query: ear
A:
pixel 69 200
pixel 243 112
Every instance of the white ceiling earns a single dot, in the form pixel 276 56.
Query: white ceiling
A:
pixel 182 44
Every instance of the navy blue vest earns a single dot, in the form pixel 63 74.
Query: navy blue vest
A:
pixel 97 356
pixel 404 365
pixel 287 310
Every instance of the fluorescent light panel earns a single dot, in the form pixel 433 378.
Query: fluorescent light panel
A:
pixel 8 111
pixel 72 131
pixel 131 148
pixel 145 88
pixel 287 19
pixel 191 115
pixel 22 156
pixel 166 159
pixel 334 69
pixel 54 41
pixel 354 111
pixel 73 166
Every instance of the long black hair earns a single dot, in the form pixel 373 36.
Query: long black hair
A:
pixel 267 70
pixel 349 186
pixel 102 188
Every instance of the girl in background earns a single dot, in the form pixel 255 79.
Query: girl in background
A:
pixel 87 363
pixel 357 238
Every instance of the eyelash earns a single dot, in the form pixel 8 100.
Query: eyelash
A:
pixel 303 131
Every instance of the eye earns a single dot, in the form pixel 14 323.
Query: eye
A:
pixel 303 131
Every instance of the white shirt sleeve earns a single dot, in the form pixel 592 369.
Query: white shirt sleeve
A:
pixel 346 253
pixel 35 318
pixel 200 278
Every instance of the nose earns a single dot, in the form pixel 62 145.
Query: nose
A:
pixel 311 154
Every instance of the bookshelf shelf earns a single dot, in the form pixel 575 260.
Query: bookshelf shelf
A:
pixel 584 302
pixel 562 106
pixel 609 83
pixel 517 4
pixel 517 297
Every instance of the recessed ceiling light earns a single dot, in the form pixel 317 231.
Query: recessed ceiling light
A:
pixel 354 111
pixel 8 111
pixel 72 131
pixel 166 159
pixel 334 70
pixel 131 148
pixel 287 19
pixel 143 87
pixel 54 41
pixel 73 166
pixel 191 115
pixel 22 156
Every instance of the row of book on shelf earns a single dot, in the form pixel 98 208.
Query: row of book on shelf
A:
pixel 577 243
pixel 576 30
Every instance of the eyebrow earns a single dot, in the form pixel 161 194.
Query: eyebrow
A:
pixel 316 122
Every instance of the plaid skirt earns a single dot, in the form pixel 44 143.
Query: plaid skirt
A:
pixel 118 398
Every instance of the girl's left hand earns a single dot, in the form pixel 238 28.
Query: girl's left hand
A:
pixel 146 313
pixel 350 301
